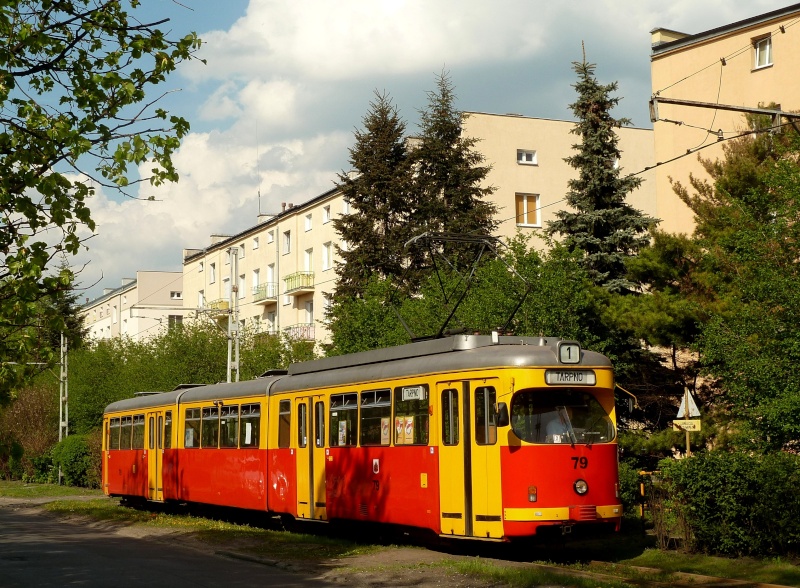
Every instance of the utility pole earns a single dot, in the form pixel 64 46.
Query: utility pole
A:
pixel 233 316
pixel 63 406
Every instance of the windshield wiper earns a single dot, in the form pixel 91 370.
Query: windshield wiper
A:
pixel 564 416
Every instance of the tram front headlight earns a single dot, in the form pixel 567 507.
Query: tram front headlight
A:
pixel 581 487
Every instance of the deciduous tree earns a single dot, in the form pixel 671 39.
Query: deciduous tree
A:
pixel 76 113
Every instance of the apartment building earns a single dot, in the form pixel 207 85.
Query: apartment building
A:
pixel 275 276
pixel 530 174
pixel 745 64
pixel 138 309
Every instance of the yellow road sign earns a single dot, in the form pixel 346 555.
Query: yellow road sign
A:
pixel 686 425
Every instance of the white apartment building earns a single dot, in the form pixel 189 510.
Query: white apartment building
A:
pixel 276 276
pixel 138 309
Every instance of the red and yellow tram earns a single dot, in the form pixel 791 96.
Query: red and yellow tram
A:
pixel 469 436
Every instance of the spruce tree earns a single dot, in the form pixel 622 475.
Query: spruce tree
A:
pixel 378 190
pixel 602 225
pixel 449 175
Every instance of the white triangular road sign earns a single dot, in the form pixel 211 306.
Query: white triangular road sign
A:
pixel 693 411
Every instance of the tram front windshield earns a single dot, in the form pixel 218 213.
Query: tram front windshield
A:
pixel 564 415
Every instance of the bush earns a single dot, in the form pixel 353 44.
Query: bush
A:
pixel 734 503
pixel 75 456
pixel 629 490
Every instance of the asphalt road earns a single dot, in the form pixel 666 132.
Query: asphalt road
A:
pixel 37 550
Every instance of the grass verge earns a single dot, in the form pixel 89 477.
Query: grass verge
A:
pixel 14 489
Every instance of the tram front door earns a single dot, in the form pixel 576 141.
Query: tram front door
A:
pixel 469 460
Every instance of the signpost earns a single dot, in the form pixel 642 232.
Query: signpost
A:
pixel 688 409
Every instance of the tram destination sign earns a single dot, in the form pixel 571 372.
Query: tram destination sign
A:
pixel 570 377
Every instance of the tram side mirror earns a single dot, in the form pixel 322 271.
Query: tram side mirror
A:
pixel 502 414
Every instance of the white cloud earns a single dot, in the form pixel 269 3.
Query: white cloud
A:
pixel 286 84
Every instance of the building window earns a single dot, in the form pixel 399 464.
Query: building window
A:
pixel 308 222
pixel 527 206
pixel 287 242
pixel 526 157
pixel 241 250
pixel 200 267
pixel 327 250
pixel 255 242
pixel 326 214
pixel 763 52
pixel 212 273
pixel 256 278
pixel 227 257
pixel 176 295
pixel 175 320
pixel 308 262
pixel 270 236
pixel 226 287
pixel 241 286
pixel 345 206
pixel 201 298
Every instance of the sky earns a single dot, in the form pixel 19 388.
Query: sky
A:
pixel 285 84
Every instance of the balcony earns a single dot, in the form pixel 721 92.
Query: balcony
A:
pixel 299 283
pixel 300 332
pixel 218 308
pixel 266 293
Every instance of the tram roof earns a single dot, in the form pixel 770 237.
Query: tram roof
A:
pixel 460 352
pixel 456 353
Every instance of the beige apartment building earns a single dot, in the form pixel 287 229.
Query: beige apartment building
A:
pixel 744 64
pixel 530 174
pixel 275 276
pixel 138 309
pixel 278 275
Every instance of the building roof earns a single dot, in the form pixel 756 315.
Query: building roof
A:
pixel 723 30
pixel 228 241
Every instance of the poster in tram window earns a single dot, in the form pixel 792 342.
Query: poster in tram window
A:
pixel 409 430
pixel 342 433
pixel 385 431
pixel 399 430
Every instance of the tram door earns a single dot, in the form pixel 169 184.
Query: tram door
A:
pixel 155 455
pixel 469 460
pixel 310 415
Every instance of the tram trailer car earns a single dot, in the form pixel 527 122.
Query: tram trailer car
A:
pixel 470 436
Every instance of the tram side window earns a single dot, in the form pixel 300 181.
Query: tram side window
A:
pixel 138 432
pixel 284 423
pixel 344 420
pixel 376 416
pixel 168 430
pixel 450 416
pixel 210 427
pixel 319 424
pixel 229 427
pixel 113 441
pixel 191 437
pixel 411 415
pixel 485 425
pixel 125 429
pixel 250 425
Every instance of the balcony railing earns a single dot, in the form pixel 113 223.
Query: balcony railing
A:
pixel 299 282
pixel 266 293
pixel 300 332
